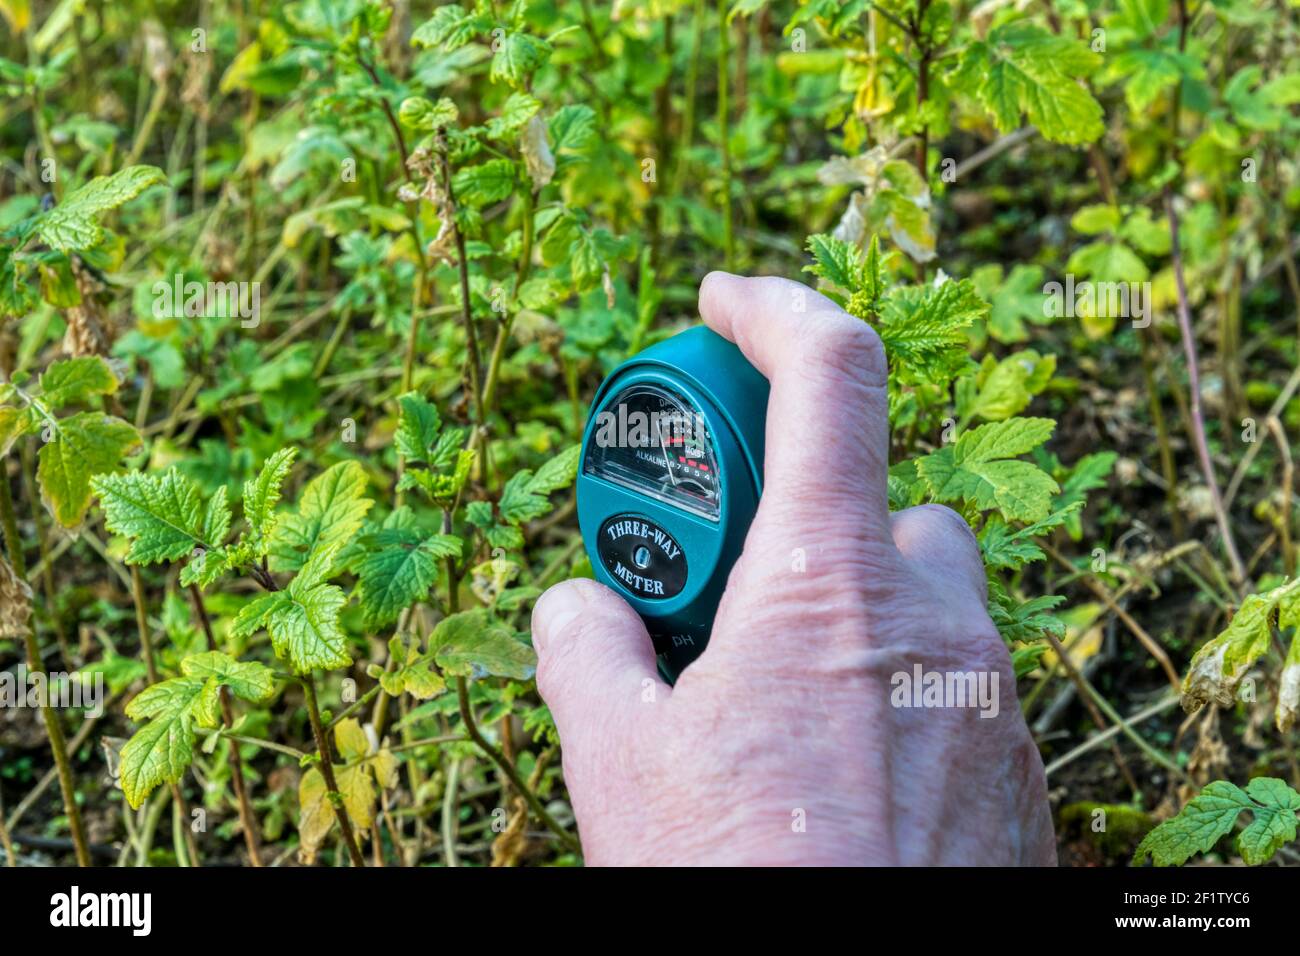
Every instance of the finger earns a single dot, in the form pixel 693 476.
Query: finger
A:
pixel 593 660
pixel 939 541
pixel 827 448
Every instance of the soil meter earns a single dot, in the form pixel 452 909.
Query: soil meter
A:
pixel 671 473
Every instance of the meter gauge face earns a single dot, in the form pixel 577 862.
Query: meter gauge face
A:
pixel 655 441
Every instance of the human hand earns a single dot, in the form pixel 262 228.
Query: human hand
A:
pixel 782 743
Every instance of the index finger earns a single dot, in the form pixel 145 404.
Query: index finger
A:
pixel 827 446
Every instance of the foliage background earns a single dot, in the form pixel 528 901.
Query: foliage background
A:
pixel 319 534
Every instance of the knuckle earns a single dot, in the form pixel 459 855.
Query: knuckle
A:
pixel 953 525
pixel 845 346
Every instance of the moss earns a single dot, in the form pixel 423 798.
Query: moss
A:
pixel 1125 826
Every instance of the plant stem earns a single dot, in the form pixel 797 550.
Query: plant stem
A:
pixel 467 718
pixel 462 265
pixel 724 137
pixel 413 338
pixel 1194 387
pixel 48 714
pixel 327 771
pixel 247 819
pixel 450 806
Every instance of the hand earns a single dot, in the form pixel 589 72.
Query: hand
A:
pixel 782 743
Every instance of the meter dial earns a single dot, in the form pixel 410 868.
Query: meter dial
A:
pixel 655 441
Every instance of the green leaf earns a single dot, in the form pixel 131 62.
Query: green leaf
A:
pixel 410 672
pixel 248 680
pixel 1107 261
pixel 162 515
pixel 450 27
pixel 303 619
pixel 517 57
pixel 75 379
pixel 923 329
pixel 1095 220
pixel 524 496
pixel 485 183
pixel 72 225
pixel 470 643
pixel 977 470
pixel 573 130
pixel 419 114
pixel 330 512
pixel 836 261
pixel 517 110
pixel 261 496
pixel 1275 820
pixel 1006 439
pixel 83 445
pixel 400 572
pixel 1213 813
pixel 14 424
pixel 1022 68
pixel 1005 388
pixel 418 424
pixel 162 750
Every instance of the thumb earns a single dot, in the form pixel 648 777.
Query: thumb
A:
pixel 593 659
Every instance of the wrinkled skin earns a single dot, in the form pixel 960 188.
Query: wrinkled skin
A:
pixel 780 745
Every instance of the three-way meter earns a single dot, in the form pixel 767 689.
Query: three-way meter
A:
pixel 670 477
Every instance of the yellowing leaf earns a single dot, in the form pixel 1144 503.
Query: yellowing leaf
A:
pixel 83 446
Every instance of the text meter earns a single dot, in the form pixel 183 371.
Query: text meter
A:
pixel 671 473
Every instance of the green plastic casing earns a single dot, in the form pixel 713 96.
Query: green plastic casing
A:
pixel 731 395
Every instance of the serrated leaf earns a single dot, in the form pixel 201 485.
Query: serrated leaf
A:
pixel 524 496
pixel 573 130
pixel 330 512
pixel 72 225
pixel 518 55
pixel 303 620
pixel 261 495
pixel 75 379
pixel 485 183
pixel 923 329
pixel 836 261
pixel 83 446
pixel 517 110
pixel 1022 68
pixel 162 750
pixel 418 423
pixel 1211 815
pixel 247 680
pixel 1205 820
pixel 162 515
pixel 400 572
pixel 557 473
pixel 450 27
pixel 1004 439
pixel 14 424
pixel 978 469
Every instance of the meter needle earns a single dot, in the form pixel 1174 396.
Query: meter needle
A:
pixel 667 460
